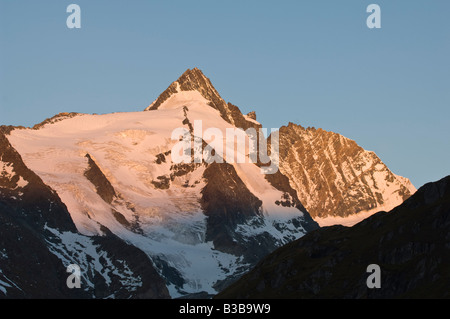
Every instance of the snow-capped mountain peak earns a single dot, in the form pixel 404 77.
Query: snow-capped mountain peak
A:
pixel 201 224
pixel 190 80
pixel 190 86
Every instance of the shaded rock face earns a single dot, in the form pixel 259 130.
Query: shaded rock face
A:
pixel 229 206
pixel 333 176
pixel 29 270
pixel 411 244
pixel 227 202
pixel 39 240
pixel 290 198
pixel 142 272
pixel 102 185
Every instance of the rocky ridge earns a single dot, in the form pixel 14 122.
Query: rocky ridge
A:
pixel 410 244
pixel 335 177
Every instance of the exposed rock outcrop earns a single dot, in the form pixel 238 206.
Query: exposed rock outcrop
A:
pixel 334 176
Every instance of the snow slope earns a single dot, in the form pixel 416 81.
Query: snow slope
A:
pixel 166 222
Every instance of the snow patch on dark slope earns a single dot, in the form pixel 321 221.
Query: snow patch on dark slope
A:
pixel 39 240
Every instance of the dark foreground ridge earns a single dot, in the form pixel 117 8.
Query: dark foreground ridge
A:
pixel 411 244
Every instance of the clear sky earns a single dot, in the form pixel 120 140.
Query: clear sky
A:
pixel 312 62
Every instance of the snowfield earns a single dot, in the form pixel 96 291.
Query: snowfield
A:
pixel 168 224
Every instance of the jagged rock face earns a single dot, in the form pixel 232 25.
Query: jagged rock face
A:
pixel 411 245
pixel 227 202
pixel 39 240
pixel 103 187
pixel 252 115
pixel 195 80
pixel 333 176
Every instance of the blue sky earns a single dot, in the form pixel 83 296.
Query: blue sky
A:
pixel 312 62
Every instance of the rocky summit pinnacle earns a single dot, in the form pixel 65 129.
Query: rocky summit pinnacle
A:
pixel 195 80
pixel 190 80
